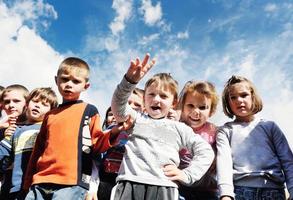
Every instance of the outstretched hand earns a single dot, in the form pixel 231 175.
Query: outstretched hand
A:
pixel 121 127
pixel 137 69
pixel 174 174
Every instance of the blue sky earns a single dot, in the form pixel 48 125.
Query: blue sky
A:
pixel 204 39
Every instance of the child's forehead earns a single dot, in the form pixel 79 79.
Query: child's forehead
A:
pixel 14 94
pixel 240 87
pixel 74 71
pixel 197 96
pixel 159 86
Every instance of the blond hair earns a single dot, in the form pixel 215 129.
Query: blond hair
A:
pixel 202 87
pixel 74 63
pixel 16 87
pixel 166 81
pixel 256 100
pixel 45 94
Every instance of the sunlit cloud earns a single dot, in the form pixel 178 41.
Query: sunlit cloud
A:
pixel 152 14
pixel 123 10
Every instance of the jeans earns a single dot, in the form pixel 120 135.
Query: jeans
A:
pixel 56 192
pixel 251 193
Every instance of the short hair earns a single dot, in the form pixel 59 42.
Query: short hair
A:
pixel 45 94
pixel 105 124
pixel 257 104
pixel 16 87
pixel 138 91
pixel 166 81
pixel 202 87
pixel 73 63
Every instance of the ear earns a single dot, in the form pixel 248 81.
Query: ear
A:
pixel 175 103
pixel 87 85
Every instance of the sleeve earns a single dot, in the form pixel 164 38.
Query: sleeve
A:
pixel 100 139
pixel 36 153
pixel 285 156
pixel 119 104
pixel 224 164
pixel 202 155
pixel 5 153
pixel 95 179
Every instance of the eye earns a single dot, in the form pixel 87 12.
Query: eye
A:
pixel 75 81
pixel 137 105
pixel 163 96
pixel 203 107
pixel 233 97
pixel 190 106
pixel 64 79
pixel 244 95
pixel 5 102
pixel 151 94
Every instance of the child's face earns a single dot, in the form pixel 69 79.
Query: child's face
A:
pixel 36 110
pixel 136 102
pixel 196 110
pixel 71 84
pixel 14 103
pixel 158 101
pixel 110 119
pixel 240 100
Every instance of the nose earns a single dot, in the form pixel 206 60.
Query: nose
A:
pixel 195 111
pixel 157 97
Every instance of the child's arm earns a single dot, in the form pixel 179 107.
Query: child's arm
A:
pixel 134 74
pixel 5 154
pixel 285 156
pixel 202 156
pixel 224 165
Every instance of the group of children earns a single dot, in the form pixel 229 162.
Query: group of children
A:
pixel 155 143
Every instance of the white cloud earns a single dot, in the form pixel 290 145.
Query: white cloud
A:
pixel 123 10
pixel 148 39
pixel 152 14
pixel 270 7
pixel 183 35
pixel 25 58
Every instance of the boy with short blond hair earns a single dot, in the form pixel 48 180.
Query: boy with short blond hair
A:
pixel 17 149
pixel 13 102
pixel 60 164
pixel 154 141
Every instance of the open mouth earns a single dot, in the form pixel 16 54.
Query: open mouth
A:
pixel 156 108
pixel 36 111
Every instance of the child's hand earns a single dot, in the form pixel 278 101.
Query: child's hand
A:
pixel 138 69
pixel 226 198
pixel 121 127
pixel 174 174
pixel 10 130
pixel 173 115
pixel 91 196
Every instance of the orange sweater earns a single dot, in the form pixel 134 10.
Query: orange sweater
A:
pixel 63 148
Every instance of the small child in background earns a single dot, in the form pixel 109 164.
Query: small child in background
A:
pixel 154 142
pixel 18 148
pixel 198 102
pixel 254 160
pixel 13 101
pixel 112 159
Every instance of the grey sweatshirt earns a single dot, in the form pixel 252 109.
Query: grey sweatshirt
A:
pixel 154 143
pixel 254 154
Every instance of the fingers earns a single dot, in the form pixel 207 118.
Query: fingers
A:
pixel 145 60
